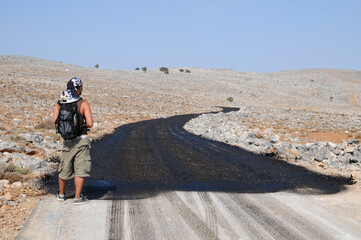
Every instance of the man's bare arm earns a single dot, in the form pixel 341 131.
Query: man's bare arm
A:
pixel 56 112
pixel 87 114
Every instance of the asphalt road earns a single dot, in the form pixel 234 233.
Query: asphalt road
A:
pixel 154 180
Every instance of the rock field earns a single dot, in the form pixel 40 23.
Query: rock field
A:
pixel 229 128
pixel 310 115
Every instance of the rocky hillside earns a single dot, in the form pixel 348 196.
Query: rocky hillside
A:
pixel 276 110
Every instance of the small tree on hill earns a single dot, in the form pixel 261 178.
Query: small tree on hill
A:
pixel 96 65
pixel 144 69
pixel 230 99
pixel 164 69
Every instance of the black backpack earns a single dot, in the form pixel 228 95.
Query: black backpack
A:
pixel 68 122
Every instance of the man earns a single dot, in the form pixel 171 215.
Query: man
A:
pixel 75 159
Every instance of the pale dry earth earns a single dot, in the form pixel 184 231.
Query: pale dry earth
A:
pixel 30 87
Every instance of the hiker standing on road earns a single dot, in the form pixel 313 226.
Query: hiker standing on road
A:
pixel 72 117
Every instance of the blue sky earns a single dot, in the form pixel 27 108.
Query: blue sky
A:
pixel 259 36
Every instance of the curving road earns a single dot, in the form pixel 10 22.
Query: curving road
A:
pixel 154 180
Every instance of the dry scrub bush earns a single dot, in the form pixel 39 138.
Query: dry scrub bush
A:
pixel 14 173
pixel 164 69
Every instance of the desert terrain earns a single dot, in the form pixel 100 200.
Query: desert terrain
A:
pixel 31 86
pixel 311 105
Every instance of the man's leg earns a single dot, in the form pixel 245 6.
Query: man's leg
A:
pixel 62 185
pixel 79 182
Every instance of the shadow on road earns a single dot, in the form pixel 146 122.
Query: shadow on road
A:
pixel 140 160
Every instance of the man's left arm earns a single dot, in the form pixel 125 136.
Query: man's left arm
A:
pixel 56 112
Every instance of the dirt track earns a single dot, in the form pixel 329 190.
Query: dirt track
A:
pixel 154 180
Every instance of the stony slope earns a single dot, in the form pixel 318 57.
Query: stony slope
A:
pixel 319 104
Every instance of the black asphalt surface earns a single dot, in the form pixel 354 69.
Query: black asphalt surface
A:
pixel 147 158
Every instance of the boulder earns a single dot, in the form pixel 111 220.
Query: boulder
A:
pixel 353 141
pixel 296 153
pixel 345 159
pixel 6 146
pixel 16 156
pixel 5 158
pixel 4 181
pixel 337 150
pixel 274 138
pixel 311 146
pixel 32 137
pixel 38 183
pixel 323 155
pixel 13 203
pixel 23 197
pixel 333 163
pixel 250 140
pixel 261 142
pixel 52 145
pixel 348 149
pixel 246 135
pixel 8 196
pixel 16 121
pixel 25 161
pixel 3 184
pixel 266 148
pixel 330 146
pixel 253 148
pixel 32 163
pixel 356 157
pixel 284 150
pixel 343 144
pixel 301 148
pixel 16 185
pixel 269 131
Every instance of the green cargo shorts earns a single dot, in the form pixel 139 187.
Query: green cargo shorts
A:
pixel 75 159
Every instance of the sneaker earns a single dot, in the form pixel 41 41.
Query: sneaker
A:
pixel 60 197
pixel 81 200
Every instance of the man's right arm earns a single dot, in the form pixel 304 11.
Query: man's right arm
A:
pixel 87 114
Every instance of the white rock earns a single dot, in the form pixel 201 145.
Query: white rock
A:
pixel 349 149
pixel 16 121
pixel 4 181
pixel 274 139
pixel 32 137
pixel 332 145
pixel 16 185
pixel 269 131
